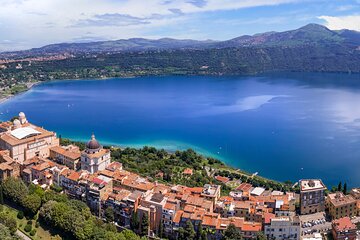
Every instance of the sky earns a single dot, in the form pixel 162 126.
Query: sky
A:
pixel 26 24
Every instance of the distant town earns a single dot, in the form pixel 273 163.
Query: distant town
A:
pixel 152 209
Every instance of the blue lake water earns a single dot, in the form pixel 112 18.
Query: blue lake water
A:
pixel 284 126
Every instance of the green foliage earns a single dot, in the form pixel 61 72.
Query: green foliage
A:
pixel 260 236
pixel 188 232
pixel 1 196
pixel 33 232
pixel 28 228
pixel 5 233
pixel 8 221
pixel 134 223
pixel 14 189
pixel 232 233
pixel 345 189
pixel 148 161
pixel 109 214
pixel 56 188
pixel 339 188
pixel 31 203
pixel 144 226
pixel 20 215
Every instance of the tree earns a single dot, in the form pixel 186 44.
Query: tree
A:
pixel 339 187
pixel 134 223
pixel 8 221
pixel 260 236
pixel 1 196
pixel 14 189
pixel 189 230
pixel 345 189
pixel 31 203
pixel 5 233
pixel 109 214
pixel 144 225
pixel 232 233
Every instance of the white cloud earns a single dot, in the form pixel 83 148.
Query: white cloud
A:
pixel 39 22
pixel 342 22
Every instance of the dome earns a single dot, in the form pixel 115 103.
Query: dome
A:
pixel 21 115
pixel 93 144
pixel 17 123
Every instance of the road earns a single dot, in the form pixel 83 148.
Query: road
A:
pixel 22 235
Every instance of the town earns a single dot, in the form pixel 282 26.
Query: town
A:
pixel 33 154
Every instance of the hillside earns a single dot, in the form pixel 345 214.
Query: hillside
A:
pixel 309 35
pixel 312 48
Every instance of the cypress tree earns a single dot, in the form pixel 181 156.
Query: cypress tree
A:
pixel 345 189
pixel 1 196
pixel 339 187
pixel 144 225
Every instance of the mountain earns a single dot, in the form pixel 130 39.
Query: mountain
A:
pixel 312 48
pixel 309 35
pixel 132 44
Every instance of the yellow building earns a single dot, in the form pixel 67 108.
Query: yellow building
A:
pixel 341 205
pixel 25 141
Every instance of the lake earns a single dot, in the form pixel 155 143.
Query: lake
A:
pixel 284 126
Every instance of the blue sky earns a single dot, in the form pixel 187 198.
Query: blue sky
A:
pixel 34 23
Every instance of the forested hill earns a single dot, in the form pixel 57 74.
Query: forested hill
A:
pixel 312 48
pixel 309 35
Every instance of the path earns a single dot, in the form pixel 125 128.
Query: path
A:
pixel 22 235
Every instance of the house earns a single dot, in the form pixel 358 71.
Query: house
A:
pixel 343 229
pixel 66 155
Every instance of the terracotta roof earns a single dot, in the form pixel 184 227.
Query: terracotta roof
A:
pixel 343 224
pixel 114 166
pixel 178 216
pixel 188 171
pixel 13 141
pixel 73 154
pixel 42 166
pixel 98 154
pixel 268 217
pixel 245 187
pixel 251 227
pixel 170 206
pixel 74 176
pixel 209 221
pixel 222 179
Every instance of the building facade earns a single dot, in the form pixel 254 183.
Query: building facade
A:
pixel 94 158
pixel 341 205
pixel 25 141
pixel 312 196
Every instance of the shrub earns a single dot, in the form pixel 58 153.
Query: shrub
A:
pixel 29 222
pixel 37 224
pixel 20 215
pixel 27 228
pixel 32 232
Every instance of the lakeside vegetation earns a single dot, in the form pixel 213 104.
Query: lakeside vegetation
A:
pixel 168 167
pixel 36 210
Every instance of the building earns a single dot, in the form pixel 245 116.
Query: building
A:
pixel 281 228
pixel 343 229
pixel 341 205
pixel 66 155
pixel 25 140
pixel 355 192
pixel 94 158
pixel 312 197
pixel 8 167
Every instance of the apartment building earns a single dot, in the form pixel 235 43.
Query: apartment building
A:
pixel 312 196
pixel 340 205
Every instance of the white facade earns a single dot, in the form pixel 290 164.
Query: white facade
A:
pixel 282 228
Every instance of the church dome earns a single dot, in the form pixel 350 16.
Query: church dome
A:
pixel 16 123
pixel 93 144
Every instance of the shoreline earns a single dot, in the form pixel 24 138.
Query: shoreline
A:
pixel 29 86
